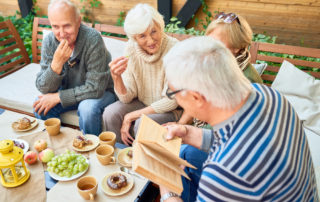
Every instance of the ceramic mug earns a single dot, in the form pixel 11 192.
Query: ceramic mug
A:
pixel 107 137
pixel 87 187
pixel 105 154
pixel 52 126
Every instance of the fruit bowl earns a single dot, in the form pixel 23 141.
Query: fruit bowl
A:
pixel 67 166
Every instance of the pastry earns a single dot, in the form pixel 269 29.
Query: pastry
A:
pixel 129 153
pixel 81 141
pixel 23 123
pixel 117 181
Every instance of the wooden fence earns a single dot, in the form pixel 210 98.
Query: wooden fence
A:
pixel 295 22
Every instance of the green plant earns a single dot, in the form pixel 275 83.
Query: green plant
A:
pixel 121 18
pixel 24 26
pixel 88 13
pixel 208 16
pixel 173 27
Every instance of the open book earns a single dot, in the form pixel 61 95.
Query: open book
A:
pixel 156 158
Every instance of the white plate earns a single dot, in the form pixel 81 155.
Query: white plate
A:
pixel 26 145
pixel 123 158
pixel 57 177
pixel 110 192
pixel 95 143
pixel 14 126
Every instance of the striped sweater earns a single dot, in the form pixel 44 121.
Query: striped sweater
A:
pixel 259 154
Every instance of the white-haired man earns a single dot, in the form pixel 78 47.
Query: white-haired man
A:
pixel 257 148
pixel 74 70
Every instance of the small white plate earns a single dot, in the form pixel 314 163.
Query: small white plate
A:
pixel 123 158
pixel 58 178
pixel 95 143
pixel 26 144
pixel 33 125
pixel 110 192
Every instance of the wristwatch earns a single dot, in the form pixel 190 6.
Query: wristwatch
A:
pixel 168 195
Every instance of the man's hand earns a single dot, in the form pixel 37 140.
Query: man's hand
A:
pixel 189 134
pixel 61 56
pixel 118 66
pixel 46 102
pixel 125 135
pixel 176 130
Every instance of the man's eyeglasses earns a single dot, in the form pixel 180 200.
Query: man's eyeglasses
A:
pixel 227 17
pixel 170 95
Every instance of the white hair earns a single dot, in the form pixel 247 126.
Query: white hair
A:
pixel 67 2
pixel 140 18
pixel 205 65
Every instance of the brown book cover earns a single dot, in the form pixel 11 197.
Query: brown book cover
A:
pixel 156 158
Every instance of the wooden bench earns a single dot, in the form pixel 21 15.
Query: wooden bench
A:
pixel 259 53
pixel 13 54
pixel 114 32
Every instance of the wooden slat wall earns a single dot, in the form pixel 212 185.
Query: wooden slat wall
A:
pixel 292 21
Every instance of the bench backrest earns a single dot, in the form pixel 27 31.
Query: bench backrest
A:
pixel 13 54
pixel 272 54
pixel 111 31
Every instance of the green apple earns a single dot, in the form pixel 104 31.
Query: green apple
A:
pixel 46 155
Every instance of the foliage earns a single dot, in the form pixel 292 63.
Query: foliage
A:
pixel 88 13
pixel 173 27
pixel 121 18
pixel 24 26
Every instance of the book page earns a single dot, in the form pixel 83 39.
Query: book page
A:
pixel 158 173
pixel 151 132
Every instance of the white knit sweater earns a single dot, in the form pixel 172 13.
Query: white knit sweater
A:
pixel 145 78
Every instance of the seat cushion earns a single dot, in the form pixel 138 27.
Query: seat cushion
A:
pixel 303 92
pixel 18 91
pixel 114 46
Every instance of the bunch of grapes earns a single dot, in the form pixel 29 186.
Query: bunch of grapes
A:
pixel 67 164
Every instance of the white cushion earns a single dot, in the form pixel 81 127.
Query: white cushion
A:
pixel 302 91
pixel 260 67
pixel 114 46
pixel 18 91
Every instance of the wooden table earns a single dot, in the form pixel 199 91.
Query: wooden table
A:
pixel 67 191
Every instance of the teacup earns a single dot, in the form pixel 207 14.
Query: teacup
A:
pixel 87 187
pixel 107 137
pixel 105 154
pixel 52 125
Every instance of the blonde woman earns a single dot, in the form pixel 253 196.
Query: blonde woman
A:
pixel 236 34
pixel 139 78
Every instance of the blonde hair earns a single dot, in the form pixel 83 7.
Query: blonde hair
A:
pixel 239 36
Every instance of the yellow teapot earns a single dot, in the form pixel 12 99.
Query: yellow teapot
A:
pixel 13 170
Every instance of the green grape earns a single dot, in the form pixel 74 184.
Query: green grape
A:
pixel 56 170
pixel 53 163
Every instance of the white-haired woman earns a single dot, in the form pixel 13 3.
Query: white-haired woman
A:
pixel 139 78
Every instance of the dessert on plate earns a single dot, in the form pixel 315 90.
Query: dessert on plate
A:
pixel 81 141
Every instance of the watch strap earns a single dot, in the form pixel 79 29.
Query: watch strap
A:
pixel 168 195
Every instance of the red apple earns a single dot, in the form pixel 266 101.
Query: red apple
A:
pixel 30 157
pixel 46 155
pixel 40 145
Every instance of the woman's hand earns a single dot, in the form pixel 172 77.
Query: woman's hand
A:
pixel 118 66
pixel 126 124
